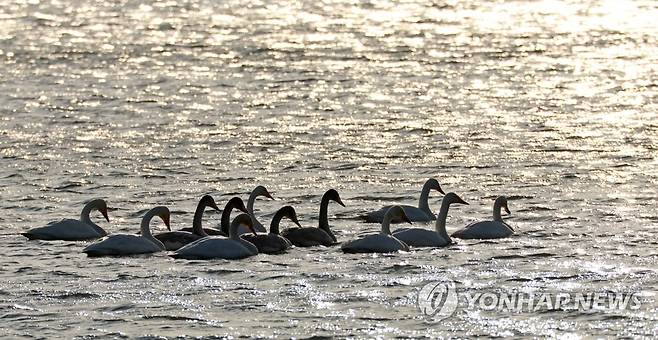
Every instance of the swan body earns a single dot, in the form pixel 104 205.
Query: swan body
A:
pixel 129 244
pixel 272 242
pixel 70 229
pixel 215 247
pixel 422 213
pixel 382 242
pixel 320 236
pixel 173 240
pixel 418 237
pixel 258 191
pixel 225 221
pixel 497 228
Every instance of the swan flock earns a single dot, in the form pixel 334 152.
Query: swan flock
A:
pixel 246 236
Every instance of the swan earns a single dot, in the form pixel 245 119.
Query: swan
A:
pixel 225 221
pixel 418 237
pixel 488 229
pixel 383 242
pixel 129 244
pixel 258 191
pixel 273 243
pixel 217 247
pixel 320 236
pixel 70 229
pixel 176 239
pixel 416 214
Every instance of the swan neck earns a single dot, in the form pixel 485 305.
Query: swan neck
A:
pixel 441 220
pixel 84 217
pixel 323 220
pixel 251 201
pixel 226 218
pixel 423 202
pixel 197 227
pixel 386 224
pixel 274 225
pixel 496 211
pixel 146 230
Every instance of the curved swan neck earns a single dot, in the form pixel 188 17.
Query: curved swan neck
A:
pixel 84 216
pixel 323 218
pixel 146 230
pixel 226 218
pixel 197 227
pixel 498 205
pixel 441 220
pixel 274 225
pixel 386 223
pixel 250 202
pixel 423 202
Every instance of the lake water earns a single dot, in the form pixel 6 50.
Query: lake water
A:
pixel 143 103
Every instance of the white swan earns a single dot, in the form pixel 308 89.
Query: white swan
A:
pixel 217 247
pixel 416 214
pixel 418 237
pixel 129 244
pixel 176 239
pixel 383 242
pixel 488 229
pixel 272 242
pixel 258 191
pixel 70 229
pixel 320 236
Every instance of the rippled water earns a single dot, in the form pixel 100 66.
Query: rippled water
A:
pixel 553 103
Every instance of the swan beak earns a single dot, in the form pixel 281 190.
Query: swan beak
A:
pixel 406 218
pixel 507 210
pixel 339 201
pixel 166 221
pixel 295 221
pixel 268 195
pixel 438 188
pixel 104 212
pixel 461 201
pixel 214 206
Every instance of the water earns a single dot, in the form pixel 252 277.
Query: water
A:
pixel 552 103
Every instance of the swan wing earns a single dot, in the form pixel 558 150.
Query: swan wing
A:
pixel 376 243
pixel 121 244
pixel 307 237
pixel 66 230
pixel 484 230
pixel 174 240
pixel 213 248
pixel 418 237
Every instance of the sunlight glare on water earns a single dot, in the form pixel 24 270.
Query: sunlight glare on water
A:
pixel 145 103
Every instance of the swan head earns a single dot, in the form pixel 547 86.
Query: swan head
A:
pixel 101 206
pixel 290 213
pixel 261 191
pixel 397 211
pixel 432 183
pixel 164 213
pixel 245 220
pixel 208 201
pixel 237 203
pixel 502 202
pixel 332 194
pixel 451 198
